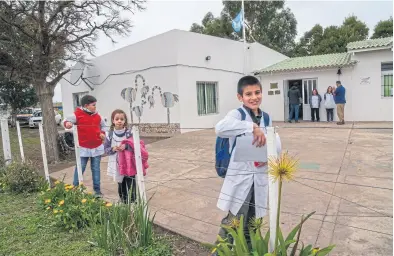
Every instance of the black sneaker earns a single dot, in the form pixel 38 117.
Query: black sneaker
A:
pixel 289 121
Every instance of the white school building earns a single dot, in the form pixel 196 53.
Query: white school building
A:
pixel 174 81
pixel 365 70
pixel 179 81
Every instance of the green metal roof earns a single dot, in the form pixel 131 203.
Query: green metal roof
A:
pixel 311 62
pixel 371 43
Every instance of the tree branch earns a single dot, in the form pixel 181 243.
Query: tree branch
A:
pixel 58 77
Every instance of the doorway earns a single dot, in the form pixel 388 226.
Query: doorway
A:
pixel 298 84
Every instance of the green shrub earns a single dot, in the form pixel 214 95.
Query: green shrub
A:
pixel 72 208
pixel 21 178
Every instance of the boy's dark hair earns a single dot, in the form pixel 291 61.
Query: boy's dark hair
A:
pixel 247 81
pixel 338 82
pixel 87 99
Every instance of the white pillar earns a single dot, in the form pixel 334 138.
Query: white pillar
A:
pixel 6 142
pixel 138 163
pixel 77 156
pixel 18 128
pixel 273 188
pixel 44 153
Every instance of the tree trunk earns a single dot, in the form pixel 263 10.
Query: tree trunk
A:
pixel 13 118
pixel 45 94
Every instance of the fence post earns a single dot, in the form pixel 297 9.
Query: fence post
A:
pixel 44 153
pixel 77 156
pixel 18 129
pixel 5 135
pixel 138 163
pixel 273 188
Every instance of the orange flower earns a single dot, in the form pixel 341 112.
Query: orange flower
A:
pixel 108 204
pixel 61 202
pixel 84 200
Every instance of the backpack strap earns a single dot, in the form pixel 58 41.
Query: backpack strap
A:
pixel 110 135
pixel 243 114
pixel 266 118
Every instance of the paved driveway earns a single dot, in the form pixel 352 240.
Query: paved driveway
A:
pixel 345 176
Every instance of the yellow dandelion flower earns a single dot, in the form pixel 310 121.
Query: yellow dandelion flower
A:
pixel 57 182
pixel 61 211
pixel 234 223
pixel 256 223
pixel 108 204
pixel 315 250
pixel 48 208
pixel 61 202
pixel 47 201
pixel 283 167
pixel 90 193
pixel 84 200
pixel 55 211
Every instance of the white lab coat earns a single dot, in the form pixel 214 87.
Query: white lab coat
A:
pixel 236 187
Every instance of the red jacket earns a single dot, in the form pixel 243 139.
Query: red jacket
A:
pixel 89 129
pixel 126 158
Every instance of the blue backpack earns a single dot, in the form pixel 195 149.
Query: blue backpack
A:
pixel 223 153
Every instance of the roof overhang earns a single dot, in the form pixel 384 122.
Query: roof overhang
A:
pixel 315 69
pixel 371 49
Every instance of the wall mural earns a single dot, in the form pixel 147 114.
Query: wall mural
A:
pixel 129 94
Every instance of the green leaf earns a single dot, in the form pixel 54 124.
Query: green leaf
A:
pixel 325 251
pixel 294 231
pixel 282 243
pixel 306 251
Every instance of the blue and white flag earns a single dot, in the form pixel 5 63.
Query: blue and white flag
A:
pixel 237 23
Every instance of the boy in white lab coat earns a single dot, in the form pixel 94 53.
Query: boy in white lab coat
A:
pixel 245 188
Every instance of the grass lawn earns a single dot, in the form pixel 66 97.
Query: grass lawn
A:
pixel 26 230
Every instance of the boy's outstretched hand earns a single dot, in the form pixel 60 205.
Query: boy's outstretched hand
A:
pixel 68 125
pixel 259 137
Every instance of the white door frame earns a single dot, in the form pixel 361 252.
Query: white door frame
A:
pixel 286 99
pixel 308 84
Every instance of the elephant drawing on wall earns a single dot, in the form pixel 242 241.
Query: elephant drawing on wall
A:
pixel 168 100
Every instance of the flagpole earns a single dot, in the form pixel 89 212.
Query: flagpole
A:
pixel 244 36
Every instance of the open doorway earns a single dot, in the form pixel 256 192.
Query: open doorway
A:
pixel 298 84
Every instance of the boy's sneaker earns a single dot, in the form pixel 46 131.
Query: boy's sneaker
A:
pixel 99 195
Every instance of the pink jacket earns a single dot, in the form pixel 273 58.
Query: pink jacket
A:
pixel 126 158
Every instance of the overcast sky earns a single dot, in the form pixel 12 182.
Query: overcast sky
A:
pixel 162 16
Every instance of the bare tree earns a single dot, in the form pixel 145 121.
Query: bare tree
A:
pixel 38 39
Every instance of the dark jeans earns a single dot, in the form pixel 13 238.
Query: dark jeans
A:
pixel 128 184
pixel 248 210
pixel 95 166
pixel 330 114
pixel 315 113
pixel 294 109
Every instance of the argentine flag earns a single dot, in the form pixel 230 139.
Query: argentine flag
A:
pixel 237 23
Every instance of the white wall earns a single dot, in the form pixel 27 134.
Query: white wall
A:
pixel 184 53
pixel 274 104
pixel 367 102
pixel 227 96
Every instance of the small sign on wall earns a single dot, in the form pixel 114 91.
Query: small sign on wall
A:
pixel 270 92
pixel 277 91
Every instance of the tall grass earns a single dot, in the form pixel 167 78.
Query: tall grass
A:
pixel 125 229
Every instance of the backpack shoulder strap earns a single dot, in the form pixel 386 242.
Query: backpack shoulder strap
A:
pixel 243 114
pixel 266 118
pixel 110 135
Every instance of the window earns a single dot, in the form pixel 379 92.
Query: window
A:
pixel 77 98
pixel 207 98
pixel 387 79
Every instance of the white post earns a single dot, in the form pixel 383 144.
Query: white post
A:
pixel 273 188
pixel 18 129
pixel 77 156
pixel 5 135
pixel 44 152
pixel 244 35
pixel 138 162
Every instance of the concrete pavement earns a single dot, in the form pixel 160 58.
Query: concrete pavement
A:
pixel 345 176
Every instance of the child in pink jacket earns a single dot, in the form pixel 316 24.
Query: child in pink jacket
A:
pixel 119 146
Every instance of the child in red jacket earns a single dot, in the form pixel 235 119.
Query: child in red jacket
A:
pixel 91 133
